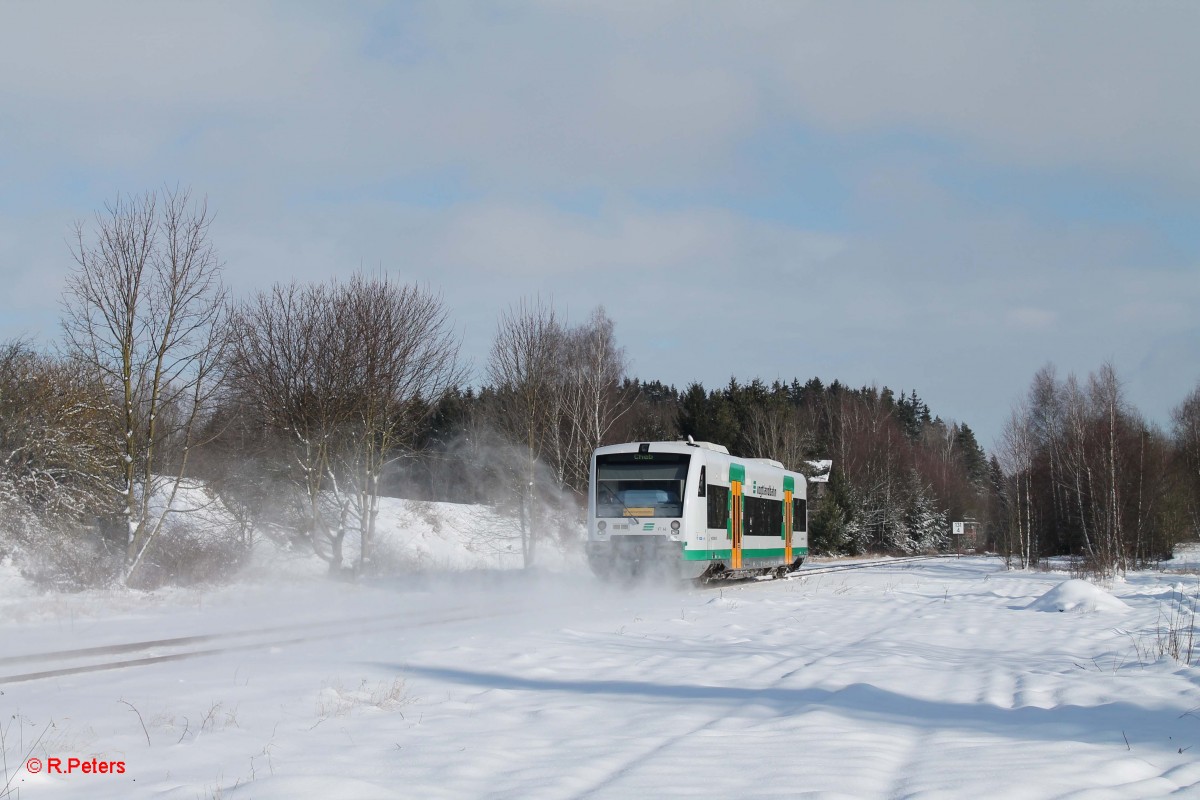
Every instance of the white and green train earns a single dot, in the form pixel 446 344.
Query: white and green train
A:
pixel 689 509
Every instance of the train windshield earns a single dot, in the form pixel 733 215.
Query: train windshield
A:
pixel 641 484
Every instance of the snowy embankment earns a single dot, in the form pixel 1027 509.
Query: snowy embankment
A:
pixel 409 534
pixel 939 679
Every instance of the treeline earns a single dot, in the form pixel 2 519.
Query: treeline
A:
pixel 1086 474
pixel 300 406
pixel 900 474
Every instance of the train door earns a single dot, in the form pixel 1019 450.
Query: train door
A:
pixel 789 489
pixel 737 477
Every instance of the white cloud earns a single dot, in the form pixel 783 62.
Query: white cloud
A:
pixel 1103 85
pixel 1027 318
pixel 534 243
pixel 299 121
pixel 553 96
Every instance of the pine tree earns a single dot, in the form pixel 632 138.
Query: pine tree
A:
pixel 828 530
pixel 973 457
pixel 693 411
pixel 927 526
pixel 912 414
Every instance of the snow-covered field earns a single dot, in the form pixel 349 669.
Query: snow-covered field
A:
pixel 943 679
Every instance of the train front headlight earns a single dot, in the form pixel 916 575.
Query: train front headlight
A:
pixel 600 526
pixel 675 525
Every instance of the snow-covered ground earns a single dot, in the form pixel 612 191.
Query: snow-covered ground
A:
pixel 944 679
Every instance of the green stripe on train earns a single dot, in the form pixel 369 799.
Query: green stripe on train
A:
pixel 748 555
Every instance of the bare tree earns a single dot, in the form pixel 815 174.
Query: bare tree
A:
pixel 776 429
pixel 1110 409
pixel 405 359
pixel 345 375
pixel 594 397
pixel 1088 476
pixel 143 308
pixel 286 369
pixel 872 451
pixel 1016 455
pixel 1186 419
pixel 56 453
pixel 525 368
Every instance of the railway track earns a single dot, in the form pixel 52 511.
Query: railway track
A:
pixel 60 663
pixel 78 661
pixel 824 569
pixel 817 569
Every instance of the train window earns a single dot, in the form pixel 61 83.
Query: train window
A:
pixel 639 498
pixel 700 492
pixel 718 506
pixel 641 484
pixel 799 514
pixel 763 517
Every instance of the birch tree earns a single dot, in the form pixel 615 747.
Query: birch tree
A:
pixel 144 309
pixel 595 398
pixel 1088 476
pixel 1016 454
pixel 776 429
pixel 525 368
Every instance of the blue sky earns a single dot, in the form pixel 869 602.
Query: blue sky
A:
pixel 932 196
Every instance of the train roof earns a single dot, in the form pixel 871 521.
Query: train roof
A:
pixel 770 461
pixel 688 447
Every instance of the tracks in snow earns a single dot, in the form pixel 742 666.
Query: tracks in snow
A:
pixel 825 569
pixel 637 755
pixel 59 663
